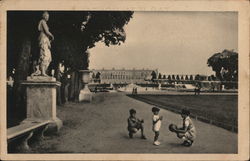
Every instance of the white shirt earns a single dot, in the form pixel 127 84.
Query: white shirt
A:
pixel 157 125
pixel 189 124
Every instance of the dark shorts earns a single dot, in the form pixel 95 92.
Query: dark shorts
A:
pixel 134 129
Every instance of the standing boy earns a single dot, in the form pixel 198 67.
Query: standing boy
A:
pixel 156 124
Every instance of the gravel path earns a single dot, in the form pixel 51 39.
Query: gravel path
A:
pixel 100 127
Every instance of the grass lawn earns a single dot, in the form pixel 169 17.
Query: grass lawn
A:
pixel 220 108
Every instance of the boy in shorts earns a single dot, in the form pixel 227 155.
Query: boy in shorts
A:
pixel 134 124
pixel 156 124
pixel 187 132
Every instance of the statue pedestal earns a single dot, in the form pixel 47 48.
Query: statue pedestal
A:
pixel 41 100
pixel 85 94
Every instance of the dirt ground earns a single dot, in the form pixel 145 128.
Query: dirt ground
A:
pixel 101 127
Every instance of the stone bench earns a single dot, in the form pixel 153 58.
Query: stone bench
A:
pixel 18 136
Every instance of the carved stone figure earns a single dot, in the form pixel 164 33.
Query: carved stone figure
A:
pixel 44 39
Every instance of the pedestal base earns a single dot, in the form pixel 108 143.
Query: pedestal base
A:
pixel 41 101
pixel 55 125
pixel 85 95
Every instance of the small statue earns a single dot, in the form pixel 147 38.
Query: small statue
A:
pixel 44 39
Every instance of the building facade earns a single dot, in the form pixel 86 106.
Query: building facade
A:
pixel 122 75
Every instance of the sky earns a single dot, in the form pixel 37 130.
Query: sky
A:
pixel 172 42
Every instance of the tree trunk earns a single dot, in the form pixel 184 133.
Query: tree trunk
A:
pixel 58 89
pixel 75 86
pixel 21 74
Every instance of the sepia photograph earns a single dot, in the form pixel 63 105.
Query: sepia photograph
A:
pixel 126 81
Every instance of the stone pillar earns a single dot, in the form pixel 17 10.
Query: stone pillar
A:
pixel 41 100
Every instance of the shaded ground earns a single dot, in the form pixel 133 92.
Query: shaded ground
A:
pixel 221 108
pixel 100 127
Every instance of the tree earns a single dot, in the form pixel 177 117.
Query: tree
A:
pixel 153 76
pixel 173 77
pixel 225 65
pixel 164 76
pixel 197 77
pixel 177 77
pixel 186 77
pixel 213 77
pixel 86 28
pixel 159 76
pixel 93 76
pixel 182 78
pixel 191 77
pixel 98 77
pixel 169 77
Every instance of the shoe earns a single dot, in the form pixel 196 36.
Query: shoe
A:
pixel 184 143
pixel 157 143
pixel 143 137
pixel 187 143
pixel 190 143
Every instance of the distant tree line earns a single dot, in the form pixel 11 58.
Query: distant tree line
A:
pixel 224 64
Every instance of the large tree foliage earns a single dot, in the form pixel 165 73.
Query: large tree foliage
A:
pixel 83 30
pixel 225 65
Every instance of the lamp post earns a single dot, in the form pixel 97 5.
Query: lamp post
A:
pixel 85 94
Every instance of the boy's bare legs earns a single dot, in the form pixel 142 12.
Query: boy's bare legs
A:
pixel 156 142
pixel 157 133
pixel 130 135
pixel 187 142
pixel 142 132
pixel 134 130
pixel 131 131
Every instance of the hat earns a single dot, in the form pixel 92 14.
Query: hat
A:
pixel 154 109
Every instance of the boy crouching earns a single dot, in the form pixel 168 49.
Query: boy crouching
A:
pixel 135 124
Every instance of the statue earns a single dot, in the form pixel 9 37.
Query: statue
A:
pixel 44 40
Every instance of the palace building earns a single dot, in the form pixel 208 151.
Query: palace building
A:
pixel 122 75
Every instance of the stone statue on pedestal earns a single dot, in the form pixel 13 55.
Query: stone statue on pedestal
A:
pixel 41 88
pixel 44 39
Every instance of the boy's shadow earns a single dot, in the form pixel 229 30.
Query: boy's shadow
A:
pixel 175 145
pixel 123 135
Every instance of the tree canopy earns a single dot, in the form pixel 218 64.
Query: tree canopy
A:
pixel 84 29
pixel 225 65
